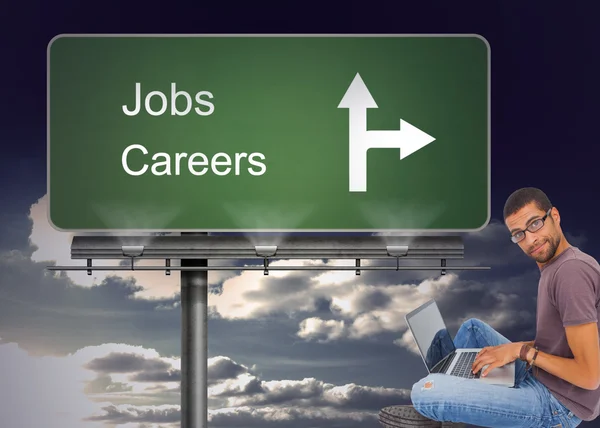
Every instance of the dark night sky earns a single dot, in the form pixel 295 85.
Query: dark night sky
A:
pixel 543 81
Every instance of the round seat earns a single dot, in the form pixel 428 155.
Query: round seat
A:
pixel 405 416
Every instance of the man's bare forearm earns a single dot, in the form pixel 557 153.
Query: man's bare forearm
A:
pixel 567 369
pixel 530 343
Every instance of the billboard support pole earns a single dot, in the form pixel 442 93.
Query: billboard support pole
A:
pixel 194 347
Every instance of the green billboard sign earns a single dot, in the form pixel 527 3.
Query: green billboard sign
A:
pixel 269 132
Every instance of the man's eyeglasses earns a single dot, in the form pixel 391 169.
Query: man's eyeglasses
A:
pixel 533 227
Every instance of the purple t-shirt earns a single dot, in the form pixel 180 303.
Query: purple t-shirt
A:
pixel 568 294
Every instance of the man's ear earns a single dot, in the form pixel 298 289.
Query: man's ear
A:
pixel 555 215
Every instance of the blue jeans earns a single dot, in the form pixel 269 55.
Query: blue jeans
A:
pixel 452 399
pixel 441 346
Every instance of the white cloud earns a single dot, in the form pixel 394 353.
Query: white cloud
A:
pixel 51 391
pixel 407 341
pixel 289 417
pixel 361 307
pixel 369 310
pixel 57 387
pixel 251 294
pixel 321 330
pixel 124 414
pixel 54 245
pixel 42 391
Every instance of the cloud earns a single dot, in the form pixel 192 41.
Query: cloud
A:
pixel 221 368
pixel 131 386
pixel 252 295
pixel 123 414
pixel 158 376
pixel 68 393
pixel 46 313
pixel 143 369
pixel 312 393
pixel 272 417
pixel 241 417
pixel 53 245
pixel 105 384
pixel 95 385
pixel 249 401
pixel 369 310
pixel 365 311
pixel 406 341
pixel 238 397
pixel 43 391
pixel 371 305
pixel 339 305
pixel 14 226
pixel 126 363
pixel 234 386
pixel 322 330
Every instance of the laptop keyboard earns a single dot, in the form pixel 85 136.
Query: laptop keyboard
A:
pixel 464 366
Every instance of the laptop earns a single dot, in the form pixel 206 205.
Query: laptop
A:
pixel 439 353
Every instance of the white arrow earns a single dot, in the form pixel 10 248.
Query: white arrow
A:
pixel 408 138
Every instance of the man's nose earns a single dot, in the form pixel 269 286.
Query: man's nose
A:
pixel 530 238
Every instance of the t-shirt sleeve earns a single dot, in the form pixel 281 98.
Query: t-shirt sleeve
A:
pixel 575 293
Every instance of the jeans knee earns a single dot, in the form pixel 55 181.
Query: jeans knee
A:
pixel 421 396
pixel 415 393
pixel 415 397
pixel 473 322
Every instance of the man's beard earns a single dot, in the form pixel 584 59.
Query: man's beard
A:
pixel 547 253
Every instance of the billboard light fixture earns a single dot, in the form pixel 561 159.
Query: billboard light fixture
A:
pixel 285 247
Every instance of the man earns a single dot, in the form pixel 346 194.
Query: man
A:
pixel 558 374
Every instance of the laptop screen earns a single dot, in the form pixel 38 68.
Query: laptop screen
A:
pixel 430 333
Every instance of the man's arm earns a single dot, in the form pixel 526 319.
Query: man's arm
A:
pixel 520 344
pixel 574 293
pixel 584 369
pixel 574 296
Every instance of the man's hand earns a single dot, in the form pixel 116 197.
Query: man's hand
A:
pixel 496 356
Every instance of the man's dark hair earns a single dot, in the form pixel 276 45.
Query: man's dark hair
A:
pixel 525 196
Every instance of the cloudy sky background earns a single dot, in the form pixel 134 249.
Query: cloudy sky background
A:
pixel 292 349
